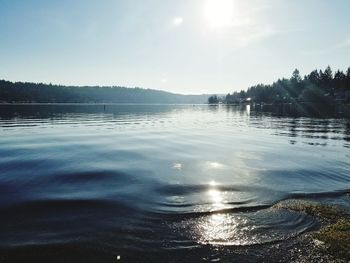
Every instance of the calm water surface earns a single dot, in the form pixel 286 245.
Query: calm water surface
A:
pixel 94 183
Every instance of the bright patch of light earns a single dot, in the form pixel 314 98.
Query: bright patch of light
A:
pixel 218 13
pixel 212 183
pixel 224 229
pixel 215 197
pixel 218 227
pixel 178 21
pixel 214 165
pixel 177 166
pixel 247 108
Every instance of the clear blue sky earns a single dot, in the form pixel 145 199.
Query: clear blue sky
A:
pixel 183 46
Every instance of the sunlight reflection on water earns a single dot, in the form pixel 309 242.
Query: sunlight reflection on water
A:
pixel 222 229
pixel 216 198
pixel 214 165
pixel 248 109
pixel 177 166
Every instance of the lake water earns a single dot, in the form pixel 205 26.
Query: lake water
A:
pixel 161 183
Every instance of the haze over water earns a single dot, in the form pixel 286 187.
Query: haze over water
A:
pixel 161 182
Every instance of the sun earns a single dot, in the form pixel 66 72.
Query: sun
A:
pixel 218 13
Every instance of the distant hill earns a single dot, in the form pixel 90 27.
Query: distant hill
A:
pixel 24 92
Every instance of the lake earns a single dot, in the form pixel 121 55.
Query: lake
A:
pixel 162 183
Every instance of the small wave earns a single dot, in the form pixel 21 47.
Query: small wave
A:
pixel 317 195
pixel 246 228
pixel 195 214
pixel 90 176
pixel 57 205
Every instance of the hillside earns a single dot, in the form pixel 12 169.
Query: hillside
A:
pixel 24 92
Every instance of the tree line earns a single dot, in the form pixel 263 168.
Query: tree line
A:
pixel 25 92
pixel 317 87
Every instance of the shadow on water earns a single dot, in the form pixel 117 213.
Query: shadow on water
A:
pixel 44 111
pixel 305 110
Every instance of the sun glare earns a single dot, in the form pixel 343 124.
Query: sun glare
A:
pixel 218 13
pixel 178 21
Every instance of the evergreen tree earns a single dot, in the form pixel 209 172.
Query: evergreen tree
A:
pixel 326 80
pixel 314 77
pixel 347 82
pixel 296 84
pixel 296 76
pixel 318 87
pixel 339 81
pixel 213 99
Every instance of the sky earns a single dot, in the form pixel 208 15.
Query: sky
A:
pixel 182 46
